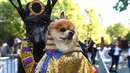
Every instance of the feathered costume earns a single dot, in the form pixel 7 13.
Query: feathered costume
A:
pixel 55 61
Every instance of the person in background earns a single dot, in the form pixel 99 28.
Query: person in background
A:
pixel 102 43
pixel 90 49
pixel 19 41
pixel 86 43
pixel 119 42
pixel 94 52
pixel 84 47
pixel 11 49
pixel 115 56
pixel 128 56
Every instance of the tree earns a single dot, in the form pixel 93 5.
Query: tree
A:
pixel 128 36
pixel 94 26
pixel 12 24
pixel 70 8
pixel 117 30
pixel 121 5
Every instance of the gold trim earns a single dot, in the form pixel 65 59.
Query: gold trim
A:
pixel 25 55
pixel 42 7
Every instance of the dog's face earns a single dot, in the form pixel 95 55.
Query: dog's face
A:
pixel 62 30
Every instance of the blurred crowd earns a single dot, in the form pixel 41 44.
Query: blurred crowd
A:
pixel 90 49
pixel 10 48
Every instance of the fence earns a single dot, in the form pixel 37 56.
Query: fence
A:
pixel 102 67
pixel 8 65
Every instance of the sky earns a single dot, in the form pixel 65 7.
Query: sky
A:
pixel 105 9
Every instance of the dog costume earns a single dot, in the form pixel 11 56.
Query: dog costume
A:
pixel 55 61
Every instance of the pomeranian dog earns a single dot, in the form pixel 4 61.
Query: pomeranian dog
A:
pixel 63 33
pixel 65 55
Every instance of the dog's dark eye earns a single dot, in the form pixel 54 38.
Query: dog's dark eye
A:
pixel 62 29
pixel 72 31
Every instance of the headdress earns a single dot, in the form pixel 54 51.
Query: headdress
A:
pixel 36 7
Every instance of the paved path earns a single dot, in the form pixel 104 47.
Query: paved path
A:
pixel 122 67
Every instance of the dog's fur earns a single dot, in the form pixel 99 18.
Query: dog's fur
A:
pixel 64 35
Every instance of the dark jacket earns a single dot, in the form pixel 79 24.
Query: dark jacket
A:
pixel 90 45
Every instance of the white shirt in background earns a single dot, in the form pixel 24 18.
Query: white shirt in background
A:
pixel 117 51
pixel 129 52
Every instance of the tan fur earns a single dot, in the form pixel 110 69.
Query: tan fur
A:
pixel 54 29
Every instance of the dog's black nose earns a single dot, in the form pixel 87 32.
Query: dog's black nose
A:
pixel 71 34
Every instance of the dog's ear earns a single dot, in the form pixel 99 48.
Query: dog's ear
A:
pixel 52 23
pixel 50 26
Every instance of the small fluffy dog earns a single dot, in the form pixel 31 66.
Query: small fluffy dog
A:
pixel 63 54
